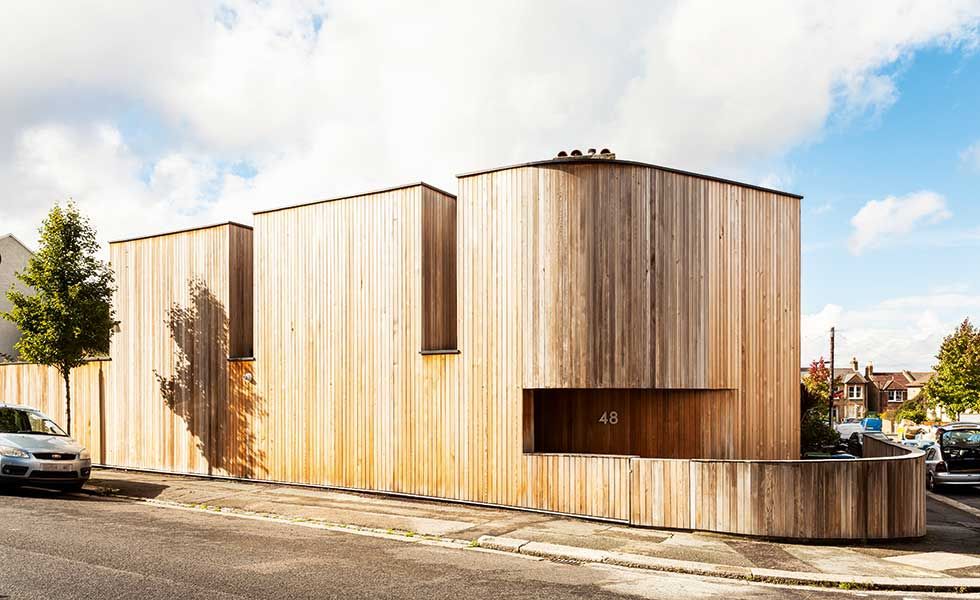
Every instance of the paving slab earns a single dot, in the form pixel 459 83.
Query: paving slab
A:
pixel 844 561
pixel 937 561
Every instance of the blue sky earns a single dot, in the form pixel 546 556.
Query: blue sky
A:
pixel 917 144
pixel 157 116
pixel 914 145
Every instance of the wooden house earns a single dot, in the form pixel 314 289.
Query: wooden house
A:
pixel 582 335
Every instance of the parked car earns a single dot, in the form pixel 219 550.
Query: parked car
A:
pixel 847 427
pixel 828 456
pixel 918 444
pixel 855 443
pixel 35 450
pixel 871 423
pixel 955 457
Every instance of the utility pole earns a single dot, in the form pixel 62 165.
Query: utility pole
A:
pixel 830 406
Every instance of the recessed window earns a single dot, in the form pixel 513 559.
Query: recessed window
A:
pixel 438 272
pixel 636 422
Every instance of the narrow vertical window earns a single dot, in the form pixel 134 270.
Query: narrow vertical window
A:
pixel 438 272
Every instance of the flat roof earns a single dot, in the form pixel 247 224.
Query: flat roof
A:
pixel 617 161
pixel 187 230
pixel 357 195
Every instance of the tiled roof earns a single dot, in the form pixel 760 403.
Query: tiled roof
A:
pixel 890 381
pixel 845 374
pixel 921 378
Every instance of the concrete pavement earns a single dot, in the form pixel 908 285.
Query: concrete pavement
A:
pixel 947 559
pixel 73 546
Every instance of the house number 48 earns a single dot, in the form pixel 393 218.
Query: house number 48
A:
pixel 609 418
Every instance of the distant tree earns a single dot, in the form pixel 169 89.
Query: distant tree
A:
pixel 913 410
pixel 956 384
pixel 67 317
pixel 817 381
pixel 815 433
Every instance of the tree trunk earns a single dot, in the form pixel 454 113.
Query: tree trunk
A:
pixel 66 373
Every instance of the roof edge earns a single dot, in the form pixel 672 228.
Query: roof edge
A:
pixel 617 161
pixel 17 239
pixel 175 232
pixel 357 195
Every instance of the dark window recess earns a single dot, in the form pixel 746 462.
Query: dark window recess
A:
pixel 438 272
pixel 578 421
pixel 646 423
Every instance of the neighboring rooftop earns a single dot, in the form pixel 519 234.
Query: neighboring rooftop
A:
pixel 10 236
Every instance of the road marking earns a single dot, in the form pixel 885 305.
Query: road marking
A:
pixel 955 504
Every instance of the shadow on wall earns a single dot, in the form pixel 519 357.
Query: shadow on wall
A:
pixel 217 410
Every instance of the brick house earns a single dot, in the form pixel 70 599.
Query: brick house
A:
pixel 852 394
pixel 858 394
pixel 895 387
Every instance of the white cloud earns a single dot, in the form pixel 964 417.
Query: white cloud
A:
pixel 881 221
pixel 971 156
pixel 53 163
pixel 824 208
pixel 325 97
pixel 899 333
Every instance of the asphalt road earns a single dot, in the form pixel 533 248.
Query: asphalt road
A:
pixel 969 495
pixel 55 546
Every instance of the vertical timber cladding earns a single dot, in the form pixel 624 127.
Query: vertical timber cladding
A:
pixel 348 399
pixel 627 276
pixel 183 303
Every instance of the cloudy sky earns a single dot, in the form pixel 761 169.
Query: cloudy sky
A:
pixel 155 116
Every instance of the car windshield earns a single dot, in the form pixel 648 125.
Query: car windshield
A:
pixel 18 420
pixel 962 438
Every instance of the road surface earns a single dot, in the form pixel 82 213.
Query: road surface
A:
pixel 969 495
pixel 55 546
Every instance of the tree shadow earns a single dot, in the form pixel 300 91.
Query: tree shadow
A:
pixel 217 407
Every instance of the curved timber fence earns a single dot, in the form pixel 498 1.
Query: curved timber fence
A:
pixel 881 496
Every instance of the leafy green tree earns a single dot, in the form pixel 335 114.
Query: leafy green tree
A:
pixel 956 384
pixel 69 317
pixel 817 382
pixel 913 410
pixel 815 433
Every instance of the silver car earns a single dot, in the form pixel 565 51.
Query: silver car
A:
pixel 35 451
pixel 955 458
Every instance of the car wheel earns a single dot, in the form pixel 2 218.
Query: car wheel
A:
pixel 931 484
